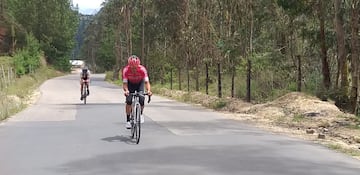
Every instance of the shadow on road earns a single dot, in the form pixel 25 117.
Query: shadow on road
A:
pixel 122 138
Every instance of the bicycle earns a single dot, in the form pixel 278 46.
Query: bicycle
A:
pixel 135 115
pixel 85 91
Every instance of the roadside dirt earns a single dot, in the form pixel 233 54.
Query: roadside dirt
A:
pixel 294 114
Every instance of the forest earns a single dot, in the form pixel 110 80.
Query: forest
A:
pixel 31 28
pixel 254 50
pixel 249 49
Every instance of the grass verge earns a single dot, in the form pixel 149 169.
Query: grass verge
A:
pixel 15 98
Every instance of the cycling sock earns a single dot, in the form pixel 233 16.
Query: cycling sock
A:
pixel 127 117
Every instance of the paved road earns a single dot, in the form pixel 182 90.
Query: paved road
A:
pixel 60 136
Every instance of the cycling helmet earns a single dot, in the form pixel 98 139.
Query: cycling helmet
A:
pixel 133 60
pixel 85 69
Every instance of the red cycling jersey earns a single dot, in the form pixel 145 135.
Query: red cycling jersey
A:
pixel 136 76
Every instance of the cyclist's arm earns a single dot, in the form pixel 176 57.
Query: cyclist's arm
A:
pixel 125 80
pixel 125 87
pixel 81 79
pixel 146 79
pixel 148 86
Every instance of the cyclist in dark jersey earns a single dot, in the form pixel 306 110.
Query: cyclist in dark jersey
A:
pixel 84 79
pixel 134 78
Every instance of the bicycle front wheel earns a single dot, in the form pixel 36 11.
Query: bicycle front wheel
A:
pixel 84 93
pixel 133 126
pixel 137 124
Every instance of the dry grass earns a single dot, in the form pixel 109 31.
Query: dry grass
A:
pixel 23 92
pixel 291 114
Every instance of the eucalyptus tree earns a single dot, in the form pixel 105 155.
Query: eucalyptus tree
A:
pixel 113 17
pixel 231 38
pixel 296 11
pixel 172 15
pixel 355 63
pixel 206 43
pixel 341 48
pixel 324 57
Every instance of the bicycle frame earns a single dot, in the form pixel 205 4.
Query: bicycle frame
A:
pixel 135 115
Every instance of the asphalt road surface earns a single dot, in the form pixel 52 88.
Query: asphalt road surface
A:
pixel 59 135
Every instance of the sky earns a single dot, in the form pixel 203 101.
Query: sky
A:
pixel 88 6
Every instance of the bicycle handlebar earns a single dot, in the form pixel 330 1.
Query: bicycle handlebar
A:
pixel 141 94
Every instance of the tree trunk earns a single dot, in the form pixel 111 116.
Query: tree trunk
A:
pixel 233 73
pixel 219 80
pixel 118 51
pixel 207 78
pixel 340 37
pixel 142 30
pixel 187 37
pixel 188 76
pixel 128 29
pixel 179 71
pixel 93 59
pixel 354 55
pixel 171 78
pixel 197 75
pixel 299 73
pixel 324 60
pixel 13 40
pixel 248 82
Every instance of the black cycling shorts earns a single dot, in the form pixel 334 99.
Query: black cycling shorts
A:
pixel 139 87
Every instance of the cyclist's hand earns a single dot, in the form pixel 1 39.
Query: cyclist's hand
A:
pixel 126 93
pixel 149 93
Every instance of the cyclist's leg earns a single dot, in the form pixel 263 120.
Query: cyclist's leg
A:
pixel 128 107
pixel 140 88
pixel 131 88
pixel 87 86
pixel 81 89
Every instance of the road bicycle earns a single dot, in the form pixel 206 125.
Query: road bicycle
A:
pixel 135 120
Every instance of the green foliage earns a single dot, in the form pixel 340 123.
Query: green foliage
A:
pixel 19 62
pixel 27 60
pixel 180 33
pixel 295 7
pixel 53 24
pixel 171 14
pixel 62 64
pixel 219 103
pixel 298 118
pixel 343 149
pixel 159 67
pixel 106 52
pixel 109 76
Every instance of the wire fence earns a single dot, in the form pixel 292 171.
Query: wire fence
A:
pixel 7 76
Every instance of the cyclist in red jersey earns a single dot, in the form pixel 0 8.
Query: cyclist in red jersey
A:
pixel 134 78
